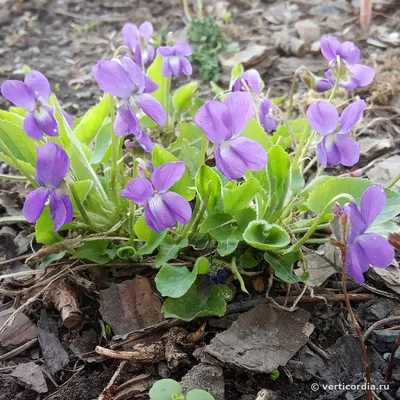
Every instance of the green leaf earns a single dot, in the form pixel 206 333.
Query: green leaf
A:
pixel 51 258
pixel 164 389
pixel 228 230
pixel 385 228
pixel 13 117
pixel 169 250
pixel 103 143
pixel 202 265
pixel 218 90
pixel 283 132
pixel 126 252
pixel 183 187
pixel 297 182
pixel 278 100
pixel 279 180
pixel 283 266
pixel 240 197
pixel 92 121
pixel 82 189
pixel 182 98
pixel 192 305
pixel 189 131
pixel 175 281
pixel 152 239
pixel 199 394
pixel 18 142
pixel 264 236
pixel 208 179
pixel 236 72
pixel 255 131
pixel 155 73
pixel 94 251
pixel 82 170
pixel 247 261
pixel 45 228
pixel 191 157
pixel 324 193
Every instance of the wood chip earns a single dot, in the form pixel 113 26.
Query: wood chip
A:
pixel 130 305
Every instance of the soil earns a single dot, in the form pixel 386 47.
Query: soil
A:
pixel 64 39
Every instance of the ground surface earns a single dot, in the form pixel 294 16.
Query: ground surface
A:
pixel 64 39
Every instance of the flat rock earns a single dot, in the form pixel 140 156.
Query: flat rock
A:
pixel 262 339
pixel 308 30
pixel 30 376
pixel 207 377
pixel 130 305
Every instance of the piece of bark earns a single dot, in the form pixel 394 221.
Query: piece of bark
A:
pixel 62 297
pixel 20 332
pixel 308 30
pixel 130 305
pixel 55 356
pixel 30 376
pixel 261 339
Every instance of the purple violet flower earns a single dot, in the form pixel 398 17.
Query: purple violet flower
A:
pixel 34 95
pixel 137 40
pixel 351 74
pixel 366 248
pixel 162 209
pixel 252 79
pixel 336 146
pixel 123 78
pixel 52 166
pixel 220 277
pixel 222 123
pixel 266 115
pixel 175 61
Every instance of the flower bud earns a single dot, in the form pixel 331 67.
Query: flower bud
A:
pixel 316 83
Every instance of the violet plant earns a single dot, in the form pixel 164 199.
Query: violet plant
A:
pixel 224 185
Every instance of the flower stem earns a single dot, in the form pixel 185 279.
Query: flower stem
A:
pixel 291 95
pixel 81 209
pixel 114 154
pixel 343 251
pixel 318 221
pixel 239 277
pixel 335 87
pixel 7 177
pixel 200 9
pixel 199 214
pixel 303 139
pixel 394 181
pixel 204 146
pixel 167 90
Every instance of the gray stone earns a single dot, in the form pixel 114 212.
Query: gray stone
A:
pixel 207 377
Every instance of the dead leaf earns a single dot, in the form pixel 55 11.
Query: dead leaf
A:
pixel 130 305
pixel 389 276
pixel 319 269
pixel 53 353
pixel 30 376
pixel 261 339
pixel 385 171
